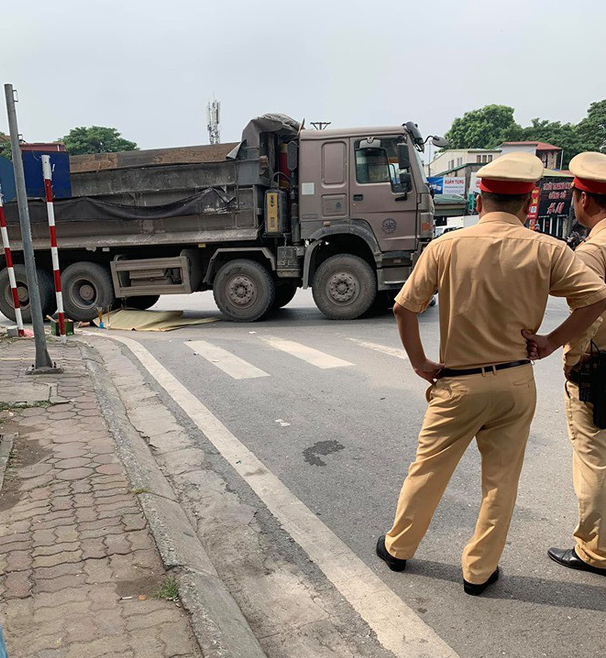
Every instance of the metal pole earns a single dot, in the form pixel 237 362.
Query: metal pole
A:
pixel 11 270
pixel 43 361
pixel 47 173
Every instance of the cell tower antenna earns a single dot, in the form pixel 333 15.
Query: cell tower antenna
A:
pixel 213 111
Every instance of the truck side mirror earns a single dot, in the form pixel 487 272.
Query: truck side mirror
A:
pixel 405 182
pixel 403 157
pixel 439 142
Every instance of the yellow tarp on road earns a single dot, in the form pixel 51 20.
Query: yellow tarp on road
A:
pixel 134 320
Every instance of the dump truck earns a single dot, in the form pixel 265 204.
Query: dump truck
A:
pixel 345 212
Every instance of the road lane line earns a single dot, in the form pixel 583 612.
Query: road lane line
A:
pixel 396 625
pixel 391 351
pixel 231 364
pixel 305 353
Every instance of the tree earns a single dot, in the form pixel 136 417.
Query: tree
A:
pixel 592 129
pixel 565 135
pixel 5 146
pixel 96 139
pixel 483 128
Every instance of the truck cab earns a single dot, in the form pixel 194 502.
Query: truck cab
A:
pixel 362 195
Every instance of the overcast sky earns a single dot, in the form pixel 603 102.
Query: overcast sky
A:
pixel 149 68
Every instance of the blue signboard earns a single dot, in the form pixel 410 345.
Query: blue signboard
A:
pixel 436 183
pixel 7 179
pixel 34 181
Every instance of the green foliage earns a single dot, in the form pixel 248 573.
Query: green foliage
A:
pixel 96 139
pixel 564 135
pixel 483 128
pixel 592 129
pixel 488 126
pixel 168 590
pixel 5 146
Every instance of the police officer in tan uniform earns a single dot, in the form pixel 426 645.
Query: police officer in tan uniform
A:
pixel 588 441
pixel 493 281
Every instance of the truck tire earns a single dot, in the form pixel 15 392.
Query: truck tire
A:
pixel 86 286
pixel 344 287
pixel 285 292
pixel 45 285
pixel 142 303
pixel 244 290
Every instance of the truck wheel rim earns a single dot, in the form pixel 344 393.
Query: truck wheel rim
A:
pixel 83 293
pixel 343 287
pixel 242 291
pixel 22 293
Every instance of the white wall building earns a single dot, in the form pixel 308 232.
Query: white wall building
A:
pixel 451 159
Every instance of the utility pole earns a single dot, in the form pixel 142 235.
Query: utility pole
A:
pixel 43 364
pixel 321 125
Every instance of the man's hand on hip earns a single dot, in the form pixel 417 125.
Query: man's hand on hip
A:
pixel 428 370
pixel 538 346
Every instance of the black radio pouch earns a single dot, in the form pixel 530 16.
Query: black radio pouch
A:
pixel 592 384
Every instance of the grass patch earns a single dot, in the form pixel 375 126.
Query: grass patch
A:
pixel 142 490
pixel 15 406
pixel 168 590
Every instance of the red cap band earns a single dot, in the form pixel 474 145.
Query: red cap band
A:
pixel 593 186
pixel 495 186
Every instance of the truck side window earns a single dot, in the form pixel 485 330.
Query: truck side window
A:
pixel 379 164
pixel 372 165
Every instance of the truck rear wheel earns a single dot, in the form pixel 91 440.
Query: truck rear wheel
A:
pixel 344 287
pixel 86 286
pixel 244 290
pixel 142 303
pixel 45 285
pixel 285 292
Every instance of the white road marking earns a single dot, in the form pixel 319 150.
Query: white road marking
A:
pixel 305 353
pixel 231 364
pixel 397 627
pixel 391 351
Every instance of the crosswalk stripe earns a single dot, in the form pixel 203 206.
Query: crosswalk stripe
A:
pixel 305 353
pixel 391 351
pixel 231 364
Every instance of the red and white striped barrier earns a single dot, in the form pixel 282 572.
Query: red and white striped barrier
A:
pixel 48 189
pixel 11 270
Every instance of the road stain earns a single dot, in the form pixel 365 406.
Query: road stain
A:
pixel 323 448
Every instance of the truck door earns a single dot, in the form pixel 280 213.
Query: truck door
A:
pixel 378 196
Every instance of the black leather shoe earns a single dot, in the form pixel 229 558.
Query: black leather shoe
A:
pixel 568 558
pixel 392 562
pixel 476 590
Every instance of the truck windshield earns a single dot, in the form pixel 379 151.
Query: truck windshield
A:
pixel 379 163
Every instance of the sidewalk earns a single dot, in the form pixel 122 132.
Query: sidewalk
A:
pixel 80 573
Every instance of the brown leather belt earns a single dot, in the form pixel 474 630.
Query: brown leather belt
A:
pixel 449 372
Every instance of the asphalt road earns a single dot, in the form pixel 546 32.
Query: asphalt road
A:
pixel 341 439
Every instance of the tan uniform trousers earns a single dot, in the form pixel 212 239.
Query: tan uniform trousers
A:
pixel 588 477
pixel 497 408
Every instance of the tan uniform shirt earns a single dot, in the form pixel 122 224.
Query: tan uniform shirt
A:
pixel 494 280
pixel 593 253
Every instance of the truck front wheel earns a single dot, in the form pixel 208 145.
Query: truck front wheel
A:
pixel 244 290
pixel 86 286
pixel 344 287
pixel 45 285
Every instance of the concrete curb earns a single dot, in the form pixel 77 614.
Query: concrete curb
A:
pixel 218 623
pixel 6 445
